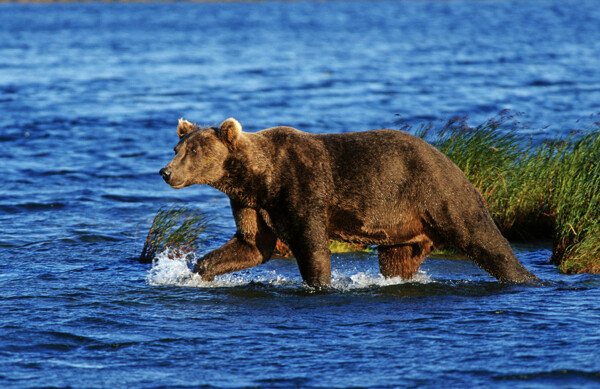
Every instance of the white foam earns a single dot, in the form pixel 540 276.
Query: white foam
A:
pixel 170 269
pixel 369 279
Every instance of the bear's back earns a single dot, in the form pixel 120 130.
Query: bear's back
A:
pixel 376 153
pixel 379 163
pixel 387 155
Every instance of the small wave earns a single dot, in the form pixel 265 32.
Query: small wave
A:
pixel 564 376
pixel 542 82
pixel 78 365
pixel 122 198
pixel 168 269
pixel 31 206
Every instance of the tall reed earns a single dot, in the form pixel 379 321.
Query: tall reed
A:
pixel 576 197
pixel 176 228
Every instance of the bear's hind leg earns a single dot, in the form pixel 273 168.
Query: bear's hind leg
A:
pixel 480 239
pixel 461 220
pixel 403 260
pixel 493 254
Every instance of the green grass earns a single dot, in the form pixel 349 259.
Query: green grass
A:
pixel 337 247
pixel 176 228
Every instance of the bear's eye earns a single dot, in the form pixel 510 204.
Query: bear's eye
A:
pixel 193 150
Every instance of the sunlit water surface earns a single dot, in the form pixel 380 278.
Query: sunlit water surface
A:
pixel 90 95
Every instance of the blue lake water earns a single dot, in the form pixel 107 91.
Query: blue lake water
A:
pixel 90 95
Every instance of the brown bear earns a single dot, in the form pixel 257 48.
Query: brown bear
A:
pixel 380 187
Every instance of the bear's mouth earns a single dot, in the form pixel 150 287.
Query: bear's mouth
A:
pixel 177 185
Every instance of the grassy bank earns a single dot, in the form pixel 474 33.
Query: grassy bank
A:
pixel 549 191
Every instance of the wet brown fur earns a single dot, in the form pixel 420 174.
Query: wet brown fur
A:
pixel 382 187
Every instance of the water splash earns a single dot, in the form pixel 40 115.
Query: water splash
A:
pixel 168 269
pixel 346 280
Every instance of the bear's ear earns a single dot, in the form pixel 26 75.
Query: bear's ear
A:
pixel 184 127
pixel 229 131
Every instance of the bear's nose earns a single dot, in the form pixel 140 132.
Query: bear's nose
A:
pixel 165 173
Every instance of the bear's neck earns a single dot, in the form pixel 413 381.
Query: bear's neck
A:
pixel 237 194
pixel 247 174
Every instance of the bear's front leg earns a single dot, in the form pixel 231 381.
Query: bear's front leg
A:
pixel 252 245
pixel 235 255
pixel 315 268
pixel 310 246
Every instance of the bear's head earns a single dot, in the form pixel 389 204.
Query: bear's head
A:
pixel 201 153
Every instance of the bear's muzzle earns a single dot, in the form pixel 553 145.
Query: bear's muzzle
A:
pixel 166 174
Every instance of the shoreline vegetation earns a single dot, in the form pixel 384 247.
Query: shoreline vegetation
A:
pixel 546 191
